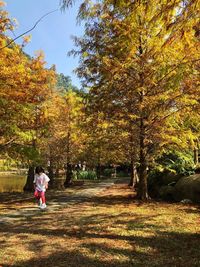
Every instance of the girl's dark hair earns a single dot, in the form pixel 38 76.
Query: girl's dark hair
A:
pixel 39 169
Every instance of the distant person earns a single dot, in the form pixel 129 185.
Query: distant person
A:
pixel 84 166
pixel 41 184
pixel 79 166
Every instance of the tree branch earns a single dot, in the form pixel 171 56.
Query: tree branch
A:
pixel 28 30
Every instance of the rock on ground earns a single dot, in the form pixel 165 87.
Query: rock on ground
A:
pixel 188 188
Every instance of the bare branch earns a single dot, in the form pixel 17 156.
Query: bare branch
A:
pixel 28 30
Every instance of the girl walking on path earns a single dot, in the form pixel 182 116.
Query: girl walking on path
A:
pixel 40 184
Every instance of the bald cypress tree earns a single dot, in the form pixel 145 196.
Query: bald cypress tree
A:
pixel 136 57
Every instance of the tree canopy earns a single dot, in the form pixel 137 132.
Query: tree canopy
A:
pixel 139 67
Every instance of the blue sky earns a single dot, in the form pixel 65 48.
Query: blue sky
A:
pixel 52 34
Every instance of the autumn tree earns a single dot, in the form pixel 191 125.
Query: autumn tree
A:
pixel 105 141
pixel 12 75
pixel 25 86
pixel 64 83
pixel 135 57
pixel 65 138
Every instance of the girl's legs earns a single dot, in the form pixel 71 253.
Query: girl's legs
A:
pixel 38 196
pixel 43 197
pixel 43 205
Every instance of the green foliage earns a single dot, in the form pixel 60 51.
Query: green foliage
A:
pixel 171 166
pixel 161 177
pixel 7 164
pixel 28 154
pixel 87 175
pixel 177 162
pixel 64 83
pixel 108 172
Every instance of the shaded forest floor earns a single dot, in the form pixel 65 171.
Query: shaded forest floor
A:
pixel 106 227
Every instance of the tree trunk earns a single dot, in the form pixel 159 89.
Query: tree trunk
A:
pixel 68 166
pixel 196 152
pixel 29 182
pixel 98 169
pixel 134 176
pixel 196 156
pixel 142 190
pixel 51 174
pixel 69 174
pixel 57 173
pixel 131 183
pixel 50 166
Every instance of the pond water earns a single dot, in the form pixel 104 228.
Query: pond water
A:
pixel 12 182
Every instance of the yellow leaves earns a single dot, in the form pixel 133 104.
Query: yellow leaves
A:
pixel 133 117
pixel 15 21
pixel 26 84
pixel 5 22
pixel 188 38
pixel 104 125
pixel 27 39
pixel 106 61
pixel 65 116
pixel 2 3
pixel 85 54
pixel 39 57
pixel 105 16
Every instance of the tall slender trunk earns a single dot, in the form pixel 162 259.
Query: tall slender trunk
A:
pixel 131 182
pixel 69 174
pixel 50 167
pixel 142 190
pixel 99 164
pixel 196 152
pixel 29 186
pixel 68 166
pixel 196 156
pixel 134 176
pixel 51 174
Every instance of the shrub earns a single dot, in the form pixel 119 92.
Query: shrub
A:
pixel 178 162
pixel 108 172
pixel 170 168
pixel 87 175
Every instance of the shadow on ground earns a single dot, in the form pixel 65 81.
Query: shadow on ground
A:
pixel 155 251
pixel 106 230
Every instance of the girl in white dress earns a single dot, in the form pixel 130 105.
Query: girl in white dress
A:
pixel 41 184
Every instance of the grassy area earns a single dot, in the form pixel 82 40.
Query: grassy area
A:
pixel 12 182
pixel 111 229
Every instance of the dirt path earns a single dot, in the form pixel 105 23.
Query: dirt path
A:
pixel 56 200
pixel 98 225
